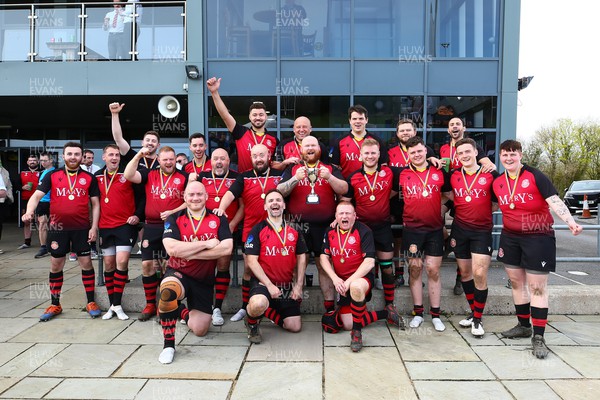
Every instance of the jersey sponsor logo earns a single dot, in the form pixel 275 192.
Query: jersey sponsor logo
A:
pixel 212 224
pixel 248 244
pixel 63 192
pixel 525 183
pixel 517 198
pixel 477 193
pixel 167 225
pixel 168 231
pixel 366 191
pixel 82 181
pixel 346 253
pixel 194 238
pixel 276 250
pixel 170 192
pixel 351 157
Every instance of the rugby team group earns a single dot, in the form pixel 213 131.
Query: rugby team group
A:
pixel 290 199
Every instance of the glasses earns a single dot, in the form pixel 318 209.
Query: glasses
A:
pixel 180 161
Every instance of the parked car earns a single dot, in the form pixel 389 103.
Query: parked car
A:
pixel 574 195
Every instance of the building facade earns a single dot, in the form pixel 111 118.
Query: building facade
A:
pixel 427 60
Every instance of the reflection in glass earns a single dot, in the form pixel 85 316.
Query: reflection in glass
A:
pixel 14 34
pixel 477 111
pixel 464 28
pixel 162 34
pixel 57 33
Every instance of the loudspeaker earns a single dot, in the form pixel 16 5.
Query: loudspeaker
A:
pixel 168 106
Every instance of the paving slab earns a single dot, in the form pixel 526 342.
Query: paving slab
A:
pixel 10 308
pixel 6 383
pixel 525 390
pixel 449 371
pixel 86 360
pixel 147 332
pixel 191 362
pixel 584 318
pixel 10 350
pixel 30 360
pixel 516 363
pixel 31 388
pixel 576 389
pixel 435 390
pixel 558 339
pixel 216 339
pixel 583 358
pixel 280 345
pixel 376 334
pixel 360 373
pixel 426 344
pixel 271 380
pixel 584 333
pixel 157 389
pixel 69 330
pixel 10 327
pixel 77 388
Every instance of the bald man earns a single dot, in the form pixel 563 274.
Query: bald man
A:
pixel 288 151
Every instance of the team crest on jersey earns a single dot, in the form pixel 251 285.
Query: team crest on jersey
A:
pixel 291 237
pixel 351 240
pixel 209 181
pixel 82 181
pixel 269 143
pixel 145 243
pixel 435 177
pixel 54 245
pixel 122 179
pixel 212 224
pixel 228 183
pixel 177 181
pixel 482 181
pixel 453 242
pixel 276 180
pixel 413 248
pixel 525 183
pixel 382 173
pixel 500 252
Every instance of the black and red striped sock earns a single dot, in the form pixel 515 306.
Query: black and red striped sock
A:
pixel 168 322
pixel 252 320
pixel 222 280
pixel 184 313
pixel 539 319
pixel 274 316
pixel 357 309
pixel 387 280
pixel 245 293
pixel 418 310
pixel 110 285
pixel 150 284
pixel 523 314
pixel 56 282
pixel 120 281
pixel 469 289
pixel 329 305
pixel 480 297
pixel 434 311
pixel 89 281
pixel 371 316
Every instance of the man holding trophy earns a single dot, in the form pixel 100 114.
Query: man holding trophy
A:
pixel 312 187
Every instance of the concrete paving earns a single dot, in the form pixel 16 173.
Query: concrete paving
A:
pixel 76 357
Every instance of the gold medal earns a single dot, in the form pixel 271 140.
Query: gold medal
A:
pixel 513 189
pixel 163 196
pixel 360 159
pixel 342 260
pixel 217 199
pixel 262 196
pixel 372 197
pixel 425 193
pixel 468 199
pixel 284 252
pixel 71 197
pixel 106 199
pixel 511 206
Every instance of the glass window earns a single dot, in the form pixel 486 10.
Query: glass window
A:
pixel 239 107
pixel 160 32
pixel 476 111
pixel 464 28
pixel 57 33
pixel 485 140
pixel 388 28
pixel 14 34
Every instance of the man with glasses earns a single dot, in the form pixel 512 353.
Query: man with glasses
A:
pixel 181 160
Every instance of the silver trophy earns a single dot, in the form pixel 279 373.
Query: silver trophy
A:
pixel 312 174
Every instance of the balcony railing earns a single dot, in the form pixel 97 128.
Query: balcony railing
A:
pixel 93 31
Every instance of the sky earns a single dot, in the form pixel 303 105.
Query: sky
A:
pixel 559 46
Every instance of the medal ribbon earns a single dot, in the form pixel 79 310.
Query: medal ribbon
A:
pixel 372 187
pixel 192 219
pixel 424 182
pixel 511 191
pixel 263 185
pixel 164 184
pixel 342 247
pixel 107 184
pixel 255 134
pixel 151 165
pixel 404 155
pixel 71 184
pixel 469 187
pixel 285 230
pixel 356 143
pixel 217 189
pixel 201 167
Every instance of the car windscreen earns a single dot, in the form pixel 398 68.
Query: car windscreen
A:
pixel 585 185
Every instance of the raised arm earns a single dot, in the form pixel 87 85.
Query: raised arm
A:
pixel 213 85
pixel 117 132
pixel 131 173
